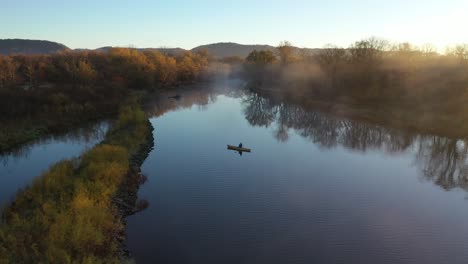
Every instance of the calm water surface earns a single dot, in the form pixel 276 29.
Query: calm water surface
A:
pixel 315 189
pixel 23 165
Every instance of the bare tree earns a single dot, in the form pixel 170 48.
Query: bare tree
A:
pixel 286 52
pixel 329 59
pixel 428 50
pixel 368 50
pixel 461 52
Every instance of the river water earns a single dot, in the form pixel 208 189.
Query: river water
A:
pixel 315 189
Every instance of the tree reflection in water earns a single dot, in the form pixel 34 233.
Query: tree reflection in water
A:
pixel 88 133
pixel 443 161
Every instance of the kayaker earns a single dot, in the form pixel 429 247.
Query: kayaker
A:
pixel 240 145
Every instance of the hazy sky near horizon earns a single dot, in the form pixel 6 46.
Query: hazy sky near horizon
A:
pixel 186 24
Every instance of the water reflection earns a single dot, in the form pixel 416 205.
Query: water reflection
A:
pixel 19 167
pixel 185 97
pixel 85 134
pixel 443 161
pixel 362 194
pixel 172 100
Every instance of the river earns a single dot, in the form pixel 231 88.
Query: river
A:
pixel 315 189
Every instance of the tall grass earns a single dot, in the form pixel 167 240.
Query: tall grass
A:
pixel 68 215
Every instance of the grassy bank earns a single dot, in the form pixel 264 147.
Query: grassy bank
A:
pixel 70 214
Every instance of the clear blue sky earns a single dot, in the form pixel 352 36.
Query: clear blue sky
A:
pixel 186 24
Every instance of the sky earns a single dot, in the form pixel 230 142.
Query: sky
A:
pixel 187 24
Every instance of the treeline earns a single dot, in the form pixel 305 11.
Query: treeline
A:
pixel 404 83
pixel 121 67
pixel 44 93
pixel 53 80
pixel 70 214
pixel 369 69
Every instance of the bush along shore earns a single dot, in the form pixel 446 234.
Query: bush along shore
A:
pixel 74 212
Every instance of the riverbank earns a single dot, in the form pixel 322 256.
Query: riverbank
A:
pixel 70 213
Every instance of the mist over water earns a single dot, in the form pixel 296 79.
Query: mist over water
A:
pixel 395 84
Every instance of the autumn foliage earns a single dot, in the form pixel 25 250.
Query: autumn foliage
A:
pixel 45 93
pixel 125 67
pixel 68 80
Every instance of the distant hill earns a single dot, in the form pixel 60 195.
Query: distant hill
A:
pixel 219 50
pixel 171 51
pixel 228 49
pixel 104 49
pixel 26 46
pixel 168 51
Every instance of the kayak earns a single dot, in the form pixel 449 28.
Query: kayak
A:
pixel 238 149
